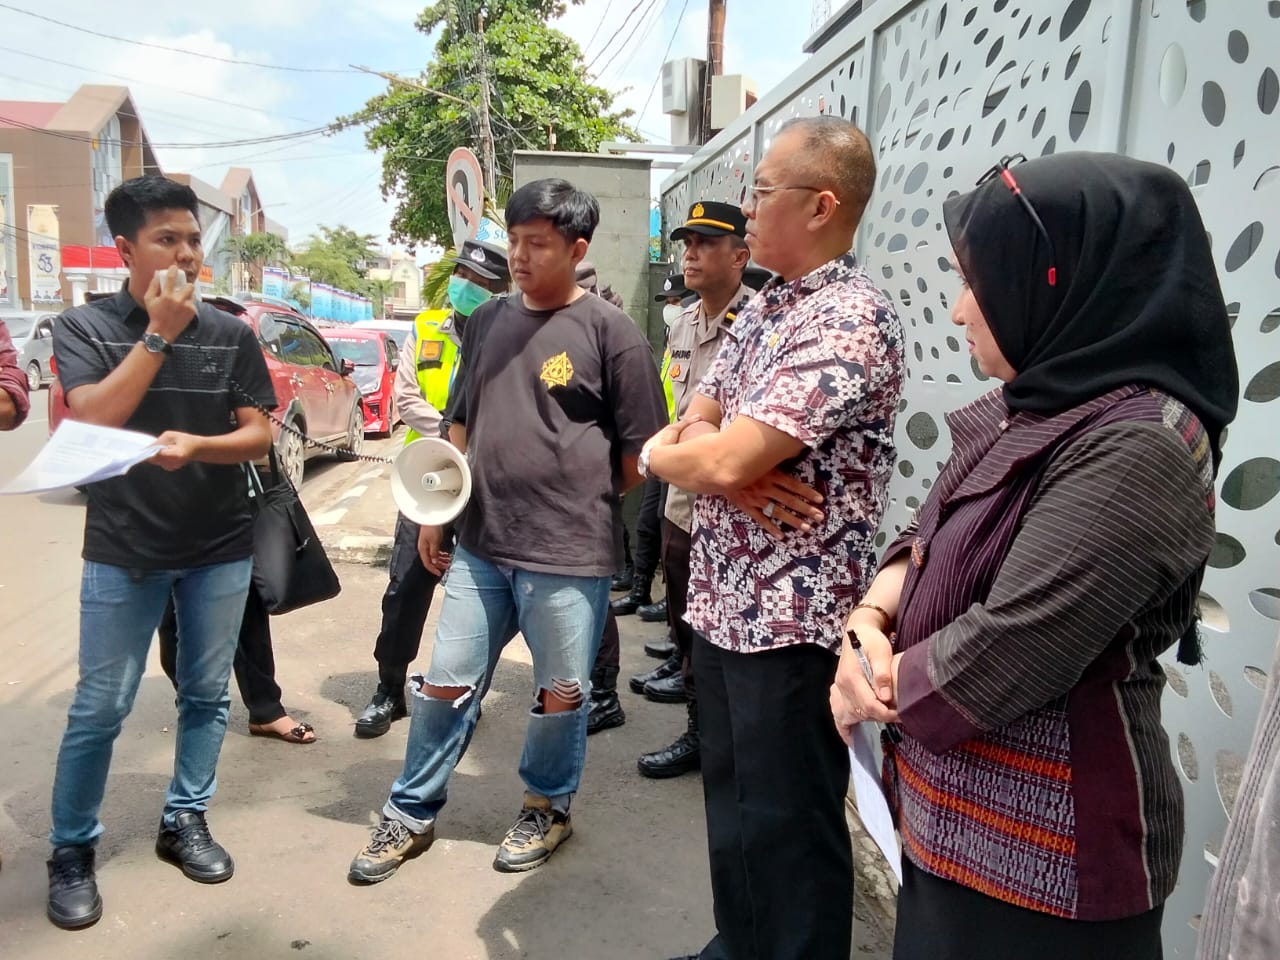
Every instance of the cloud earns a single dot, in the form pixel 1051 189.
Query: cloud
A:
pixel 334 179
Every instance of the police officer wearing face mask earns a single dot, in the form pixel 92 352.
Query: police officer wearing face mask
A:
pixel 428 364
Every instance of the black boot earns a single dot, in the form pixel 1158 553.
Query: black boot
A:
pixel 604 709
pixel 641 594
pixel 660 650
pixel 623 580
pixel 681 757
pixel 653 612
pixel 668 667
pixel 666 689
pixel 387 705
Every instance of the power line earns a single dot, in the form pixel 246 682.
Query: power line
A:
pixel 161 46
pixel 210 145
pixel 618 66
pixel 654 87
pixel 150 110
pixel 617 33
pixel 599 23
pixel 149 83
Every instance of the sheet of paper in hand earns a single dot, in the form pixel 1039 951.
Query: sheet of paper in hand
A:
pixel 868 792
pixel 80 453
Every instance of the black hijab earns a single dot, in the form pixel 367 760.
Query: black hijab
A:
pixel 1137 297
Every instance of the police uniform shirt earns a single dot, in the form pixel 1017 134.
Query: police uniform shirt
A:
pixel 693 342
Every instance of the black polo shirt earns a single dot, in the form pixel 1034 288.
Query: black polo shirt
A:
pixel 154 519
pixel 552 400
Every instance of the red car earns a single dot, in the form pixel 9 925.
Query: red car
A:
pixel 374 355
pixel 315 393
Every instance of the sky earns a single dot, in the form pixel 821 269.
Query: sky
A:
pixel 185 99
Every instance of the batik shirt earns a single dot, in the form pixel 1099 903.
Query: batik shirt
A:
pixel 821 359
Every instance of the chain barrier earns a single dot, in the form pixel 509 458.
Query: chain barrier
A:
pixel 341 453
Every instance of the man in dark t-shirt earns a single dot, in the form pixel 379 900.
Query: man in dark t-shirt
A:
pixel 153 359
pixel 557 394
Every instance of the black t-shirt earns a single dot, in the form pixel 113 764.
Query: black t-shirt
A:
pixel 552 401
pixel 153 519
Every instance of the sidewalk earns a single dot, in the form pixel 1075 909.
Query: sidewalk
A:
pixel 356 528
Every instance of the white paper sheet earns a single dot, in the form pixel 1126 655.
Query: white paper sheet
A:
pixel 80 453
pixel 873 809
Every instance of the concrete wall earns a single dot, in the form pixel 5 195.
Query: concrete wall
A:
pixel 620 249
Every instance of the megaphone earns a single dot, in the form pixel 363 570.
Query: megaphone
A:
pixel 430 481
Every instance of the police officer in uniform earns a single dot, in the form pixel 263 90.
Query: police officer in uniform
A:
pixel 715 257
pixel 428 364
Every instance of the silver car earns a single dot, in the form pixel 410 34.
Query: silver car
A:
pixel 32 335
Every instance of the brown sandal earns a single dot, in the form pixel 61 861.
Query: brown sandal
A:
pixel 303 733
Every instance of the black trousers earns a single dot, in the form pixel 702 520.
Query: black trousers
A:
pixel 942 920
pixel 648 547
pixel 254 665
pixel 405 604
pixel 609 657
pixel 675 568
pixel 774 777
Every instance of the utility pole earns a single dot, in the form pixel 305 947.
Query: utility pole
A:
pixel 486 131
pixel 715 60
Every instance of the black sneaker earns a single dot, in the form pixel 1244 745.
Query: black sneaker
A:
pixel 73 888
pixel 377 717
pixel 189 845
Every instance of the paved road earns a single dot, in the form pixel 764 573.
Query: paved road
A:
pixel 632 882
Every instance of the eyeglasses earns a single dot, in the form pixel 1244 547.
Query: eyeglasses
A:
pixel 1001 170
pixel 754 192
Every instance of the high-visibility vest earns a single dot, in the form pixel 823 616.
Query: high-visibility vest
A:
pixel 667 387
pixel 437 359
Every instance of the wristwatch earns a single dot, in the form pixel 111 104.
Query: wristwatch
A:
pixel 642 463
pixel 156 343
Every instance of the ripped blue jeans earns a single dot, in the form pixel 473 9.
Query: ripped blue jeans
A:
pixel 485 604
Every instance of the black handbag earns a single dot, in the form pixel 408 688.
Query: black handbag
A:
pixel 290 567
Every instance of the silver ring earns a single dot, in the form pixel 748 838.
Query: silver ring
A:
pixel 768 509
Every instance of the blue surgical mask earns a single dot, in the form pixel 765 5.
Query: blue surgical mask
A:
pixel 466 295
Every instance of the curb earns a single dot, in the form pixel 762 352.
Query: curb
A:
pixel 353 548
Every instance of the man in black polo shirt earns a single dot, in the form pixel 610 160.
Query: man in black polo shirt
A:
pixel 153 359
pixel 557 392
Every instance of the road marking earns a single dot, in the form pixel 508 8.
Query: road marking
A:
pixel 334 514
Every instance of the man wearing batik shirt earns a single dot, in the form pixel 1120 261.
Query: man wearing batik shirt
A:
pixel 792 428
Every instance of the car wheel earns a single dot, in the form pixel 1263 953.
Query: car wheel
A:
pixel 34 379
pixel 355 430
pixel 293 456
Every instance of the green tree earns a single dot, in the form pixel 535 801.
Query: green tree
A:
pixel 538 84
pixel 378 291
pixel 338 256
pixel 256 251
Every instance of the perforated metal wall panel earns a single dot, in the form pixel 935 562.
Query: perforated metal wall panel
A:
pixel 943 88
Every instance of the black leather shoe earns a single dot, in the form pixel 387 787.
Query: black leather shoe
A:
pixel 681 757
pixel 653 612
pixel 623 580
pixel 382 709
pixel 641 594
pixel 604 711
pixel 73 888
pixel 188 845
pixel 661 650
pixel 668 666
pixel 666 689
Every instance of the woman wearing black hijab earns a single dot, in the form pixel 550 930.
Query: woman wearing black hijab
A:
pixel 1013 630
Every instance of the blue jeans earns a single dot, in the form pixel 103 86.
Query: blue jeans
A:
pixel 561 618
pixel 119 612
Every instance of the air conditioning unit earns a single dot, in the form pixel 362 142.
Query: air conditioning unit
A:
pixel 731 96
pixel 682 85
